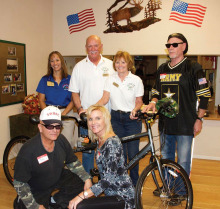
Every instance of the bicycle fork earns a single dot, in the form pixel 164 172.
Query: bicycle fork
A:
pixel 161 175
pixel 154 158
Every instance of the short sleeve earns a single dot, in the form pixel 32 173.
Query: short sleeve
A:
pixel 41 85
pixel 74 80
pixel 107 86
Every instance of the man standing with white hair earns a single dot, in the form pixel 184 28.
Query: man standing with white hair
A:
pixel 87 84
pixel 39 167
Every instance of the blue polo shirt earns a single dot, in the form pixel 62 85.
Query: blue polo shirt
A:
pixel 55 94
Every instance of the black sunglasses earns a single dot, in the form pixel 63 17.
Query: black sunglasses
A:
pixel 173 44
pixel 51 127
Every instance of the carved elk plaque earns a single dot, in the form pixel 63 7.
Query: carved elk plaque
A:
pixel 126 13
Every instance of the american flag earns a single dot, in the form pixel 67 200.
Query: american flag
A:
pixel 202 81
pixel 80 21
pixel 187 13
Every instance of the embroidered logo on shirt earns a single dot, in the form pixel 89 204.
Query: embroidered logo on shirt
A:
pixel 170 77
pixel 42 158
pixel 50 83
pixel 130 86
pixel 105 71
pixel 162 76
pixel 65 86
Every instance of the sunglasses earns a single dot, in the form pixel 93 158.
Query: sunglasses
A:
pixel 173 44
pixel 51 127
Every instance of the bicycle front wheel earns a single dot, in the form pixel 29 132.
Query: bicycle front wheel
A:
pixel 180 193
pixel 11 151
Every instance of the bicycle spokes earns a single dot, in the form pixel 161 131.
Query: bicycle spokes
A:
pixel 179 193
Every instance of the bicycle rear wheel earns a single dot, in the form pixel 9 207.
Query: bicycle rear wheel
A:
pixel 178 183
pixel 11 151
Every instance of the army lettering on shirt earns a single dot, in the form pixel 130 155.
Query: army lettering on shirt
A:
pixel 170 77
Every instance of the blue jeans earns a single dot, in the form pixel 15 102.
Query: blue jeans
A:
pixel 87 158
pixel 124 126
pixel 183 144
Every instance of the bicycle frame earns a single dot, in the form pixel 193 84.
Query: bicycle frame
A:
pixel 145 150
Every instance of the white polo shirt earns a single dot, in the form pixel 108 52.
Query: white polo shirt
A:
pixel 89 79
pixel 123 93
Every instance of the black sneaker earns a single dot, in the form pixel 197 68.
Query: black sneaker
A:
pixel 156 192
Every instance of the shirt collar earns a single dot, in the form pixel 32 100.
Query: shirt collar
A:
pixel 100 61
pixel 128 76
pixel 177 63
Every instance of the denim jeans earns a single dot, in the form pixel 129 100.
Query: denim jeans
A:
pixel 183 144
pixel 124 126
pixel 87 158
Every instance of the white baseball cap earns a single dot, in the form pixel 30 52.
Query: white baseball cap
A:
pixel 50 115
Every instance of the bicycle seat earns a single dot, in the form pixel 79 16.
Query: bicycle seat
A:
pixel 34 119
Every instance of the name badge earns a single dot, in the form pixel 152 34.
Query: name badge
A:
pixel 162 76
pixel 42 158
pixel 105 74
pixel 115 84
pixel 49 83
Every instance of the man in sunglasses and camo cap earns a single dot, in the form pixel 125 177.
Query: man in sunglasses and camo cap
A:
pixel 183 81
pixel 39 167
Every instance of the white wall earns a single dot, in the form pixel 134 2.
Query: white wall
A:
pixel 28 22
pixel 148 41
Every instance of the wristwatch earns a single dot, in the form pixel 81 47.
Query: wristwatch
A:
pixel 85 194
pixel 201 119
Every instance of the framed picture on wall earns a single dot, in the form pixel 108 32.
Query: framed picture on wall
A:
pixel 12 73
pixel 16 77
pixel 8 77
pixel 5 89
pixel 12 51
pixel 20 87
pixel 12 64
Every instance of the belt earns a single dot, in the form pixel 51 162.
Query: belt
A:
pixel 61 107
pixel 120 111
pixel 58 106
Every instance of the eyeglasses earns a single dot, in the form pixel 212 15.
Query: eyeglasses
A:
pixel 51 127
pixel 173 44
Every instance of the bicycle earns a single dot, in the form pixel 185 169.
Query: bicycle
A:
pixel 168 177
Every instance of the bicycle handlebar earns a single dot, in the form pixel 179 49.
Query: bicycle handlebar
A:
pixel 87 147
pixel 35 119
pixel 166 106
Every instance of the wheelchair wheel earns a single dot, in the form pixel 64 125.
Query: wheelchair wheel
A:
pixel 10 154
pixel 179 186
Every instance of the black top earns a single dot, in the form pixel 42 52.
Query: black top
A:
pixel 184 83
pixel 39 168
